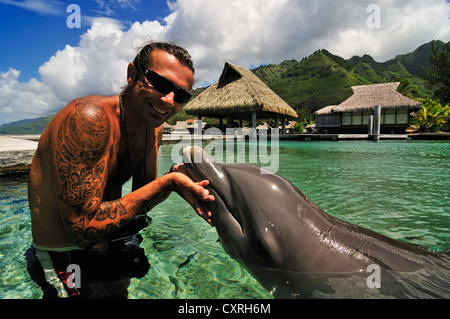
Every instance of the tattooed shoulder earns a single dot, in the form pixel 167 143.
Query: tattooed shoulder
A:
pixel 82 142
pixel 84 134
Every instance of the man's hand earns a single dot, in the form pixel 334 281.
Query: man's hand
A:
pixel 194 193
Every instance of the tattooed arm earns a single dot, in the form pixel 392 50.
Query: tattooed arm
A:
pixel 83 160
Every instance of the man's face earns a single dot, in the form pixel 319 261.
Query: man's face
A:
pixel 154 107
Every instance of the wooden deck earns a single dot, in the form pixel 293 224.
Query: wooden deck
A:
pixel 339 137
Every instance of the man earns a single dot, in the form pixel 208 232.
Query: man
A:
pixel 87 152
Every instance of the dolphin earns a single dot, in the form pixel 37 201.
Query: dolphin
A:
pixel 296 250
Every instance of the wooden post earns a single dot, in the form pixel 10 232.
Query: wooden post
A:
pixel 370 127
pixel 229 120
pixel 376 122
pixel 283 125
pixel 254 124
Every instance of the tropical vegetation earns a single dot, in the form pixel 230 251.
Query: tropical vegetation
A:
pixel 435 114
pixel 438 72
pixel 432 117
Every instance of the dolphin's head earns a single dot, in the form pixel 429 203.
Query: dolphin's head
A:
pixel 250 207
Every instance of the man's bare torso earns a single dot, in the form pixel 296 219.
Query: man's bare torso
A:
pixel 83 158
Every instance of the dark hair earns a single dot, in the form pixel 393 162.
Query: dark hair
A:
pixel 143 58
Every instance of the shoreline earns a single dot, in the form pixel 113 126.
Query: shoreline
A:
pixel 17 151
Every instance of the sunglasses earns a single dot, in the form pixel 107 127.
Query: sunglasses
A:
pixel 166 86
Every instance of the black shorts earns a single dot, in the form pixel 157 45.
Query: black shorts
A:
pixel 99 275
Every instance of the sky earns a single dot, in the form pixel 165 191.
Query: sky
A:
pixel 52 52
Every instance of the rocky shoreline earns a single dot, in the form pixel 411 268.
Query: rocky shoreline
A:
pixel 15 162
pixel 16 153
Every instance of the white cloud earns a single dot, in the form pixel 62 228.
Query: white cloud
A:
pixel 107 7
pixel 247 33
pixel 25 100
pixel 95 66
pixel 404 27
pixel 253 31
pixel 45 7
pixel 98 65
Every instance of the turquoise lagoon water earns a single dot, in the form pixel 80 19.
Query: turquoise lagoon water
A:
pixel 397 188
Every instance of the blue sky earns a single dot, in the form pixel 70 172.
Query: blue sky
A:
pixel 44 64
pixel 31 33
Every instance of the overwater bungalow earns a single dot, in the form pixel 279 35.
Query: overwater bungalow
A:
pixel 353 115
pixel 240 95
pixel 181 127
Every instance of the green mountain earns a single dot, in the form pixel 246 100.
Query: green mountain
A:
pixel 30 126
pixel 415 61
pixel 324 79
pixel 268 73
pixel 316 81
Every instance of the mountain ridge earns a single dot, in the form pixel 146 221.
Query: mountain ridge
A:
pixel 323 78
pixel 312 83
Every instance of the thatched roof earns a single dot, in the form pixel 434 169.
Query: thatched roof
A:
pixel 326 110
pixel 366 97
pixel 238 92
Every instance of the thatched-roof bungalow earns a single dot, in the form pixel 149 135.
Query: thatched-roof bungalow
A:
pixel 239 94
pixel 352 115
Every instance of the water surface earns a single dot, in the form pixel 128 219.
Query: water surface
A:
pixel 397 188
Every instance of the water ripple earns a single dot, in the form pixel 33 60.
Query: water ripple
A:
pixel 399 189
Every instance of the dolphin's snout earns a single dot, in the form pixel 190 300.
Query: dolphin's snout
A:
pixel 187 155
pixel 197 155
pixel 201 162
